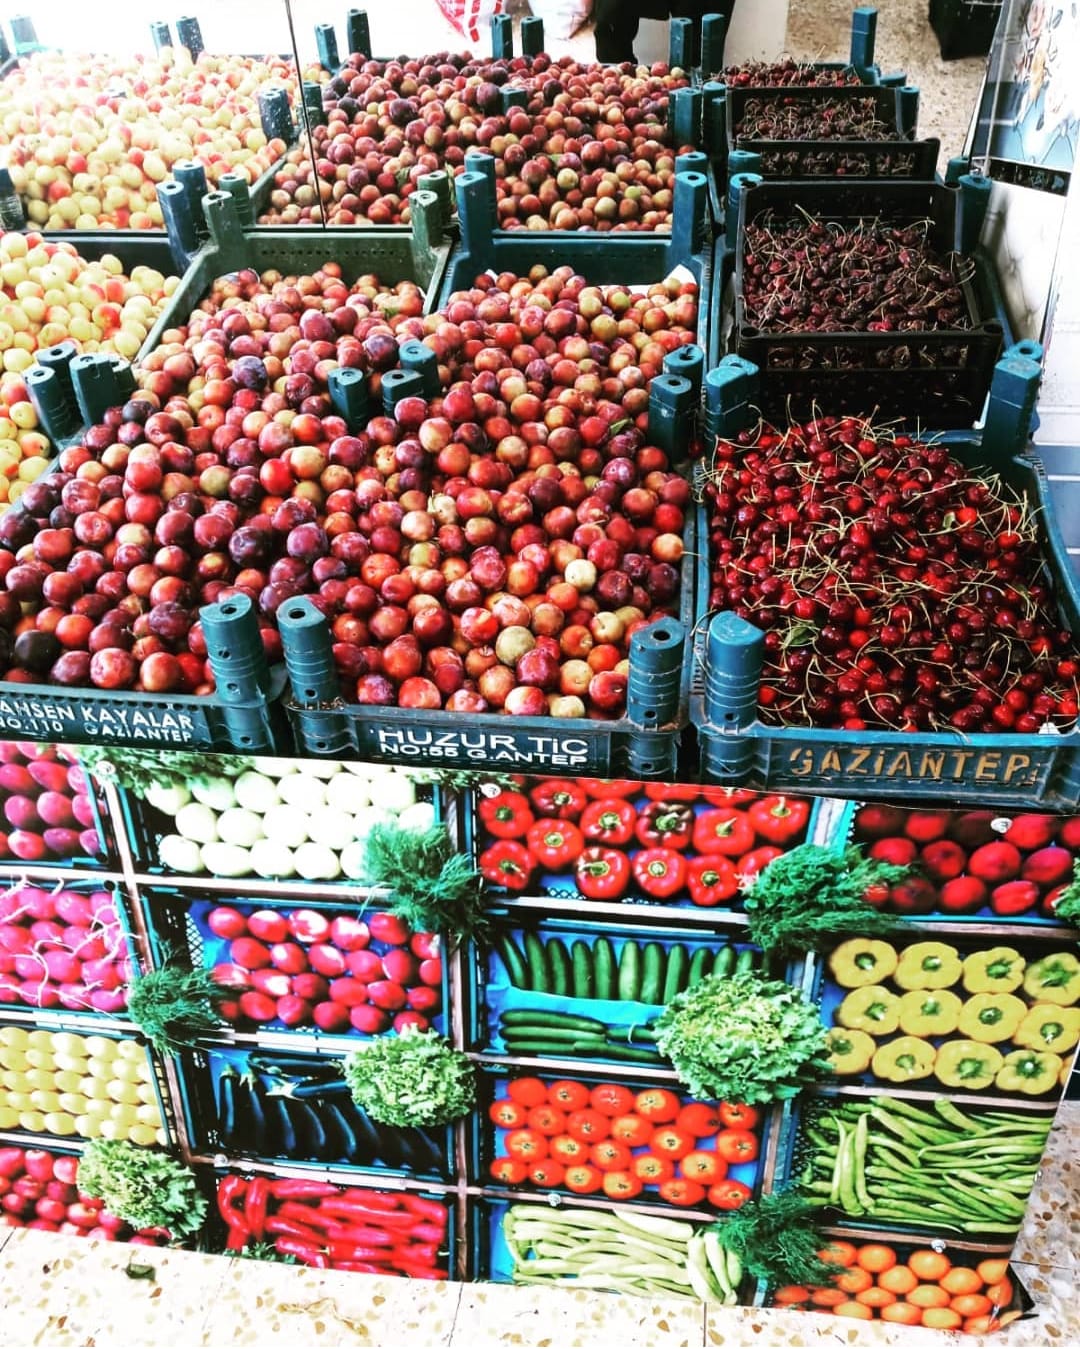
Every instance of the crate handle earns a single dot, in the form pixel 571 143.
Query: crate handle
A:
pixel 357 32
pixel 234 648
pixel 971 208
pixel 308 652
pixel 350 396
pixel 1011 407
pixel 398 385
pixel 681 44
pixel 671 414
pixel 690 211
pixel 179 223
pixel 53 399
pixel 655 680
pixel 275 114
pixel 100 382
pixel 314 112
pixel 739 185
pixel 686 106
pixel 714 117
pixel 907 110
pixel 159 31
pixel 745 161
pixel 532 36
pixel 502 37
pixel 429 223
pixel 477 244
pixel 439 184
pixel 227 236
pixel 863 36
pixel 236 185
pixel 326 45
pixel 714 29
pixel 189 35
pixel 731 389
pixel 734 660
pixel 421 360
pixel 688 361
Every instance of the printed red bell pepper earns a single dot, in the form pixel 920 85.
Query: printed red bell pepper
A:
pixel 507 815
pixel 755 862
pixel 660 872
pixel 665 824
pixel 555 844
pixel 598 788
pixel 711 880
pixel 609 821
pixel 687 792
pixel 723 830
pixel 603 873
pixel 558 799
pixel 508 864
pixel 779 819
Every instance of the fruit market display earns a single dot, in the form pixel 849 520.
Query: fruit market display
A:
pixel 975 863
pixel 274 818
pixel 41 1190
pixel 890 606
pixel 62 948
pixel 305 967
pixel 78 1086
pixel 328 1226
pixel 590 149
pixel 646 842
pixel 465 521
pixel 925 1287
pixel 969 1019
pixel 607 1139
pixel 88 139
pixel 47 803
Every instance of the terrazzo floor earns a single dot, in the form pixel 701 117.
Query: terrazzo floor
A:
pixel 60 1291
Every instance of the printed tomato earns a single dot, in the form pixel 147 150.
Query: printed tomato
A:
pixel 610 1156
pixel 509 1170
pixel 672 1143
pixel 632 1130
pixel 683 1193
pixel 547 1174
pixel 507 1114
pixel 653 1170
pixel 699 1119
pixel 528 1091
pixel 610 1099
pixel 583 1179
pixel 526 1144
pixel 657 1104
pixel 734 1145
pixel 729 1194
pixel 546 1120
pixel 705 1167
pixel 739 1116
pixel 590 1126
pixel 567 1095
pixel 622 1185
pixel 568 1150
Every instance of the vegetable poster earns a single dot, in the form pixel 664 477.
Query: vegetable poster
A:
pixel 789 1050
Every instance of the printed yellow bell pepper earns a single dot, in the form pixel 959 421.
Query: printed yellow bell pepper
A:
pixel 999 970
pixel 991 1017
pixel 967 1064
pixel 859 962
pixel 928 964
pixel 904 1060
pixel 1048 1026
pixel 929 1011
pixel 1030 1072
pixel 872 1009
pixel 850 1051
pixel 1055 978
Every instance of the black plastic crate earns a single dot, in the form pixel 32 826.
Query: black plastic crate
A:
pixel 799 1149
pixel 491 1259
pixel 878 1011
pixel 964 27
pixel 146 828
pixel 178 925
pixel 939 376
pixel 496 992
pixel 321 1128
pixel 113 938
pixel 1040 771
pixel 76 1043
pixel 896 155
pixel 489 1149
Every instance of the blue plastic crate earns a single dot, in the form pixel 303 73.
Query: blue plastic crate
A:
pixel 176 921
pixel 376 1150
pixel 561 890
pixel 491 1139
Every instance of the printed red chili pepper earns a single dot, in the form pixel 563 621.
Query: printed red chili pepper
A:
pixel 558 799
pixel 278 1225
pixel 507 815
pixel 723 830
pixel 507 864
pixel 290 1188
pixel 711 880
pixel 428 1209
pixel 255 1206
pixel 555 844
pixel 609 820
pixel 665 824
pixel 603 873
pixel 660 872
pixel 779 819
pixel 302 1251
